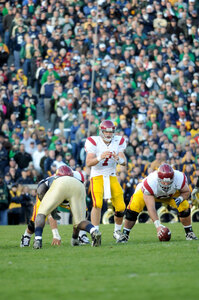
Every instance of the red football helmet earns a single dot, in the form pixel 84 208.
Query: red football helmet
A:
pixel 107 130
pixel 64 171
pixel 165 177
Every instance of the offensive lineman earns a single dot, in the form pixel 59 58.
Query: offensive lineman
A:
pixel 66 187
pixel 104 152
pixel 42 188
pixel 164 185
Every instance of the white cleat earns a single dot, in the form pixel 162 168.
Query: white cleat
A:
pixel 83 240
pixel 96 238
pixel 191 236
pixel 117 234
pixel 75 242
pixel 25 241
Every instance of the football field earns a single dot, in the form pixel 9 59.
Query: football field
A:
pixel 142 269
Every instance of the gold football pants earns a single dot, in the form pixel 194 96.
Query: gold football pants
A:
pixel 137 202
pixel 97 192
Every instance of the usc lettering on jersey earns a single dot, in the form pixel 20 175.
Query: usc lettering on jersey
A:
pixel 96 145
pixel 150 185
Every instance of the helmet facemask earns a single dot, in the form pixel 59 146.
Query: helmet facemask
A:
pixel 165 184
pixel 165 177
pixel 107 130
pixel 110 136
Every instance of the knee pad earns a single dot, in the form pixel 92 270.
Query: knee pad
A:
pixel 119 214
pixel 185 213
pixel 131 215
pixel 40 220
pixel 31 226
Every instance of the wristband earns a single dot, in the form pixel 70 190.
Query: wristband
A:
pixel 56 235
pixel 98 157
pixel 120 160
pixel 181 198
pixel 157 223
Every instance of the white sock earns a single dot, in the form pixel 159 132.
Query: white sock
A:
pixel 28 234
pixel 92 229
pixel 38 237
pixel 97 227
pixel 117 227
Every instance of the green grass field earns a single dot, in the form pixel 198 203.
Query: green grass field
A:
pixel 142 269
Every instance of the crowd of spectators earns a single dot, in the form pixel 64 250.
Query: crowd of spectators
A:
pixel 142 58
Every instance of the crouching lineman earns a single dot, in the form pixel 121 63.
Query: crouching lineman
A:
pixel 42 188
pixel 164 185
pixel 104 152
pixel 66 187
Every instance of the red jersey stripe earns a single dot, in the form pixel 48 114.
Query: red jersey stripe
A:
pixel 184 181
pixel 92 141
pixel 92 193
pixel 148 188
pixel 121 141
pixel 82 177
pixel 129 205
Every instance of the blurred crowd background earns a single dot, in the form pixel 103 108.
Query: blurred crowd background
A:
pixel 67 65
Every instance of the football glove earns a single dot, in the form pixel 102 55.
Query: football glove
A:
pixel 179 200
pixel 194 192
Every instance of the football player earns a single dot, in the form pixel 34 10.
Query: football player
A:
pixel 104 152
pixel 164 185
pixel 42 188
pixel 195 190
pixel 65 187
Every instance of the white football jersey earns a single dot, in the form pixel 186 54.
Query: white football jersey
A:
pixel 78 175
pixel 150 185
pixel 96 145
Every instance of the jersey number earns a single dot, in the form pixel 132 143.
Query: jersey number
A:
pixel 105 163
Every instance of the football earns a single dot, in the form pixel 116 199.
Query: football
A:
pixel 164 234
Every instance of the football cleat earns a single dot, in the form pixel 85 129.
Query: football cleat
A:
pixel 37 244
pixel 117 234
pixel 83 240
pixel 123 239
pixel 75 242
pixel 96 238
pixel 25 241
pixel 191 236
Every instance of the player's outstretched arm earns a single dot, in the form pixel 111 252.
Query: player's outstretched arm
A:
pixel 150 204
pixel 56 237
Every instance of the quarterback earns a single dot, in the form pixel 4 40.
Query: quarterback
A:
pixel 164 185
pixel 104 152
pixel 42 188
pixel 66 188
